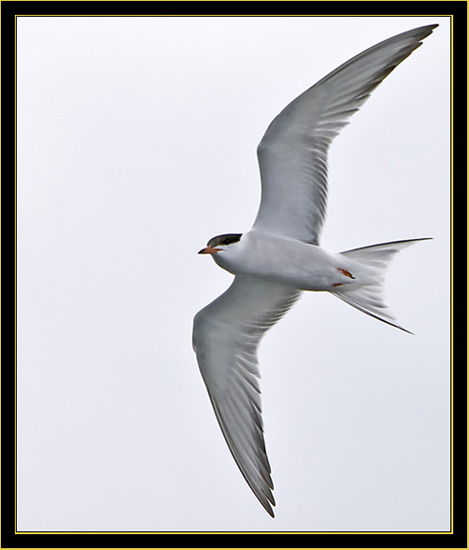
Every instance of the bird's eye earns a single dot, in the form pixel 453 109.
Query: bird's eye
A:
pixel 226 241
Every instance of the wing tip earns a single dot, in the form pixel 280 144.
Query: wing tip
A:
pixel 268 504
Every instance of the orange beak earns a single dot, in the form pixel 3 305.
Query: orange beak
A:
pixel 209 250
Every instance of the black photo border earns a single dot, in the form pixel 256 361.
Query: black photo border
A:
pixel 457 537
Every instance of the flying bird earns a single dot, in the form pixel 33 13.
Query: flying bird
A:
pixel 280 256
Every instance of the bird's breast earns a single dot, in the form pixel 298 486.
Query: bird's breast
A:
pixel 293 263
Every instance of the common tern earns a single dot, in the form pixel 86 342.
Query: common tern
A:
pixel 280 256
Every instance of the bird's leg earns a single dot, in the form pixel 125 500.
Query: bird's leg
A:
pixel 346 273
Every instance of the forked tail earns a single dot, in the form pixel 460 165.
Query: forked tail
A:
pixel 368 266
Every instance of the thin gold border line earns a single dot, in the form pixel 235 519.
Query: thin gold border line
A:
pixel 192 533
pixel 451 283
pixel 16 286
pixel 222 15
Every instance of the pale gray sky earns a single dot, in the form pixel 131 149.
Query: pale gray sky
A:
pixel 136 144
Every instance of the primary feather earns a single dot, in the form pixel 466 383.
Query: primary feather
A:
pixel 293 152
pixel 225 338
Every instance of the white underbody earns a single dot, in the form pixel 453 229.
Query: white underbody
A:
pixel 294 263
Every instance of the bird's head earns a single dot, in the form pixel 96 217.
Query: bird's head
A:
pixel 221 243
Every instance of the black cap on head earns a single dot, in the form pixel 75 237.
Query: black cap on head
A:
pixel 228 238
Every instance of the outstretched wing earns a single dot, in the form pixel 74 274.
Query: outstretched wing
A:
pixel 293 152
pixel 225 337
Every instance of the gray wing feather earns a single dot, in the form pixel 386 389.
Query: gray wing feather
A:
pixel 293 152
pixel 225 337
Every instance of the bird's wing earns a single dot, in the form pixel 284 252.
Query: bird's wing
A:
pixel 293 152
pixel 225 337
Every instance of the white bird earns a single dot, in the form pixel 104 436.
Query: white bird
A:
pixel 280 256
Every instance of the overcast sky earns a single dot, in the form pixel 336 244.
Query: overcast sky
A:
pixel 137 144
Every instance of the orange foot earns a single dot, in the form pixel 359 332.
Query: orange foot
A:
pixel 346 273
